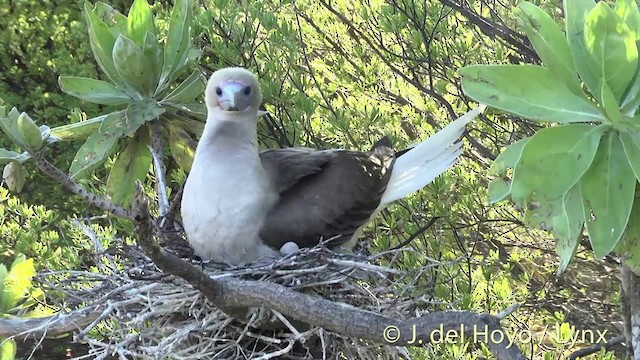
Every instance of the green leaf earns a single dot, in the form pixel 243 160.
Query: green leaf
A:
pixel 627 11
pixel 527 90
pixel 14 176
pixel 140 21
pixel 8 349
pixel 128 121
pixel 101 40
pixel 114 19
pixel 631 143
pixel 550 43
pixel 8 155
pixel 183 148
pixel 78 130
pixel 632 98
pixel 610 104
pixel 613 46
pixel 9 125
pixel 499 188
pixel 194 127
pixel 188 90
pixel 132 67
pixel 92 153
pixel 95 91
pixel 29 131
pixel 178 39
pixel 608 189
pixel 553 160
pixel 17 283
pixel 568 227
pixel 132 164
pixel 3 276
pixel 194 109
pixel 152 52
pixel 575 12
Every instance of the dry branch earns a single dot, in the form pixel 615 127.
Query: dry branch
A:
pixel 231 294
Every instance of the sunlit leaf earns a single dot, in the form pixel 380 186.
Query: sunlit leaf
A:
pixel 140 21
pixel 132 66
pixel 17 283
pixel 8 349
pixel 628 12
pixel 608 189
pixel 178 38
pixel 92 90
pixel 562 153
pixel 529 91
pixel 183 148
pixel 550 44
pixel 131 119
pixel 131 165
pixel 499 188
pixel 612 45
pixel 92 153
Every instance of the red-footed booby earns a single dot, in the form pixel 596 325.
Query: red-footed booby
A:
pixel 240 205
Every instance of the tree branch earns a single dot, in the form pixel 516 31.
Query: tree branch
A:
pixel 50 326
pixel 232 294
pixel 93 199
pixel 631 310
pixel 156 148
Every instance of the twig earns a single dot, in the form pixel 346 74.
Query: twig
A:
pixel 93 199
pixel 156 148
pixel 592 349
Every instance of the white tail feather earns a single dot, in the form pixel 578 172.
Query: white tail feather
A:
pixel 419 166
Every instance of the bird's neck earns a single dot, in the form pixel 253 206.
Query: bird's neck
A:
pixel 228 139
pixel 233 131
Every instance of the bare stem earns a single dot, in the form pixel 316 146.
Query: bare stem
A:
pixel 631 303
pixel 155 132
pixel 64 179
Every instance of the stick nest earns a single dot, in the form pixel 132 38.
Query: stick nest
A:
pixel 143 313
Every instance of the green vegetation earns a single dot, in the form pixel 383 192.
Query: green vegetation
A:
pixel 573 175
pixel 334 74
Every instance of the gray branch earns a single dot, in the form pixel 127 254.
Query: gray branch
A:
pixel 93 199
pixel 235 296
pixel 156 148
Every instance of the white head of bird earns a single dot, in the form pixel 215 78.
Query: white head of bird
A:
pixel 233 91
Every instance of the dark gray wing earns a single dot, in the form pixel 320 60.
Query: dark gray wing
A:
pixel 335 198
pixel 286 166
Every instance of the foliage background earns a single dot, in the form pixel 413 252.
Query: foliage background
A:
pixel 334 74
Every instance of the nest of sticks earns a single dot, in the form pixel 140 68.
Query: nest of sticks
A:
pixel 143 313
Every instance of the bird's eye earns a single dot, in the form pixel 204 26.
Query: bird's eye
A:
pixel 247 90
pixel 218 91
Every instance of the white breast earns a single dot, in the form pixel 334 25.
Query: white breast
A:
pixel 225 199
